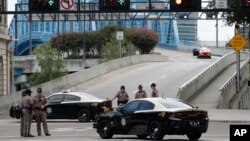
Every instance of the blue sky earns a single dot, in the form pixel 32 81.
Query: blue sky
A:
pixel 206 28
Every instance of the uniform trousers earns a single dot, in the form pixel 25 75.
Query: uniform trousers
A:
pixel 41 117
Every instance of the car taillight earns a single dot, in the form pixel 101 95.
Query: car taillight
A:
pixel 177 115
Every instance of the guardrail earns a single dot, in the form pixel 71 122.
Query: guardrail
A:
pixel 190 88
pixel 228 97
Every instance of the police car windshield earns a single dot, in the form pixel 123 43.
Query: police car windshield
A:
pixel 172 103
pixel 90 97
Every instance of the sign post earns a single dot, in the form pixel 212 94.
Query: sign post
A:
pixel 237 42
pixel 119 37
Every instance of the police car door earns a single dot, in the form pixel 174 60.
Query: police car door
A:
pixel 128 120
pixel 54 108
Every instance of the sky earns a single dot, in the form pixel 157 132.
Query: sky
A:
pixel 206 28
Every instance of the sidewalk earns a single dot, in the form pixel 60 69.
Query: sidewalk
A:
pixel 229 115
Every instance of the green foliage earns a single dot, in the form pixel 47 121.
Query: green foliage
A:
pixel 51 65
pixel 234 17
pixel 110 50
pixel 106 34
pixel 144 39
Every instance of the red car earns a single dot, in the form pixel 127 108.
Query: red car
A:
pixel 204 52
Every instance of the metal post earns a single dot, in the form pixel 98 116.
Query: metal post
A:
pixel 30 38
pixel 58 30
pixel 217 30
pixel 237 67
pixel 120 42
pixel 84 42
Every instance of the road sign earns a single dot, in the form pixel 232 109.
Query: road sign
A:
pixel 221 4
pixel 119 35
pixel 237 42
pixel 66 5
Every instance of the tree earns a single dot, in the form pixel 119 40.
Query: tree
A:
pixel 144 39
pixel 51 65
pixel 234 17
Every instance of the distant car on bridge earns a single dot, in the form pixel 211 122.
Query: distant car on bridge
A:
pixel 204 52
pixel 71 105
pixel 195 52
pixel 153 117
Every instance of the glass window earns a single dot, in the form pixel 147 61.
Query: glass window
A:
pixel 132 106
pixel 71 98
pixel 171 103
pixel 145 105
pixel 55 98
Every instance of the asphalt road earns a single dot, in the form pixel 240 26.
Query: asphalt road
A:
pixel 72 130
pixel 168 76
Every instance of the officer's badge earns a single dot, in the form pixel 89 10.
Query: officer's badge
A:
pixel 49 110
pixel 123 122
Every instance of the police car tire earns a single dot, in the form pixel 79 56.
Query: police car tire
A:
pixel 104 135
pixel 152 126
pixel 194 137
pixel 87 115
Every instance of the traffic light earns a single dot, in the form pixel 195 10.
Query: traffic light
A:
pixel 43 5
pixel 185 5
pixel 114 5
pixel 248 2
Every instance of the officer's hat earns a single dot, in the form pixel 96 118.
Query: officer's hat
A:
pixel 28 91
pixel 153 85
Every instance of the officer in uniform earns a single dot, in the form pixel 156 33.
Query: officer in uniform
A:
pixel 140 93
pixel 122 96
pixel 21 115
pixel 155 92
pixel 27 110
pixel 41 103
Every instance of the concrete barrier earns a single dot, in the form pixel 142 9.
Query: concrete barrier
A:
pixel 192 87
pixel 229 99
pixel 83 76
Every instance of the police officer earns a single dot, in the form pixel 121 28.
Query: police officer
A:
pixel 140 93
pixel 41 103
pixel 27 110
pixel 21 115
pixel 155 92
pixel 122 96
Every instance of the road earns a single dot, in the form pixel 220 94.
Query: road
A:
pixel 168 76
pixel 72 130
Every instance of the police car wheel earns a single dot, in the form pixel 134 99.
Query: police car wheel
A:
pixel 104 130
pixel 84 115
pixel 143 136
pixel 155 130
pixel 194 137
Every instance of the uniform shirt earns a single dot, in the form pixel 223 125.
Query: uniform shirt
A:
pixel 140 94
pixel 27 101
pixel 155 93
pixel 40 100
pixel 122 96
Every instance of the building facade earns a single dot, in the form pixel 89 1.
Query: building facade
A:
pixel 4 52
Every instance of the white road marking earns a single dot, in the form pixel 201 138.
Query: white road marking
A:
pixel 174 70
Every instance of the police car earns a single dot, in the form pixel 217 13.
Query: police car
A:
pixel 153 117
pixel 72 105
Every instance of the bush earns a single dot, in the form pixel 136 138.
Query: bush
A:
pixel 144 39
